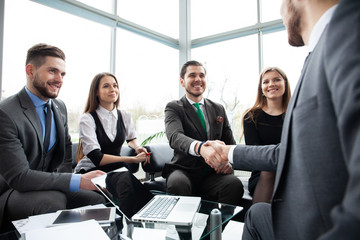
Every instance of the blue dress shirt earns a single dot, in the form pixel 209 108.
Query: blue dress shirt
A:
pixel 39 107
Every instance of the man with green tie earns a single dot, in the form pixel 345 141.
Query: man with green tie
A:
pixel 189 122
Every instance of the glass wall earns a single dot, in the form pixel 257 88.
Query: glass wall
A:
pixel 277 52
pixel 85 43
pixel 232 70
pixel 148 78
pixel 148 71
pixel 158 15
pixel 270 10
pixel 211 16
pixel 103 5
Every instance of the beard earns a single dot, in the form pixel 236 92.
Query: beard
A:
pixel 41 87
pixel 294 27
pixel 193 94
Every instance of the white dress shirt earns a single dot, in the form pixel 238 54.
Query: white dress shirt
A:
pixel 87 132
pixel 202 107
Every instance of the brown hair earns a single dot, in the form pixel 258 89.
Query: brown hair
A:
pixel 261 101
pixel 190 63
pixel 92 102
pixel 36 54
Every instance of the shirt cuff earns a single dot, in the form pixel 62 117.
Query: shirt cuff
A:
pixel 192 148
pixel 75 183
pixel 231 154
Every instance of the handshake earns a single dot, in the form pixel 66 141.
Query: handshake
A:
pixel 216 154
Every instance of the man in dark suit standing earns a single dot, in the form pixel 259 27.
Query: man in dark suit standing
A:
pixel 189 122
pixel 35 145
pixel 317 187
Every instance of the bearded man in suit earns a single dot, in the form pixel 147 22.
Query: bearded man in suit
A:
pixel 187 127
pixel 317 187
pixel 35 174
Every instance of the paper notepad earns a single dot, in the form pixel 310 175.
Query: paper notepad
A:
pixel 90 230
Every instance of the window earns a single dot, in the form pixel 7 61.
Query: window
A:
pixel 158 15
pixel 148 76
pixel 209 17
pixel 86 45
pixel 270 10
pixel 277 52
pixel 232 70
pixel 104 5
pixel 148 71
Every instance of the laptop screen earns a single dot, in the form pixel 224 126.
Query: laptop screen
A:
pixel 123 189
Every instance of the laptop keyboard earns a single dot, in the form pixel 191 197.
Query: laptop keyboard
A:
pixel 160 208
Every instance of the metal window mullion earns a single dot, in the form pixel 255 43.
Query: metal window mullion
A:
pixel 113 42
pixel 184 36
pixel 260 36
pixel 2 13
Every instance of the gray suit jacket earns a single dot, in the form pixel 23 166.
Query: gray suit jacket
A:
pixel 21 149
pixel 317 186
pixel 183 126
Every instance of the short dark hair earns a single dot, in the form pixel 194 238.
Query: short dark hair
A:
pixel 190 63
pixel 37 53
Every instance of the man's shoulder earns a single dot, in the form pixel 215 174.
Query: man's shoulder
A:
pixel 175 103
pixel 211 103
pixel 9 103
pixel 59 103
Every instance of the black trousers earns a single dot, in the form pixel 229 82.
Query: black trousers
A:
pixel 24 204
pixel 214 187
pixel 127 192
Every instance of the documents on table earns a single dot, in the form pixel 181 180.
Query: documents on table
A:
pixel 90 230
pixel 39 221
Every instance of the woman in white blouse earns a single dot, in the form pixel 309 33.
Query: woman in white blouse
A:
pixel 104 128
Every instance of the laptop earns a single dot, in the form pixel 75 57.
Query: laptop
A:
pixel 142 205
pixel 103 215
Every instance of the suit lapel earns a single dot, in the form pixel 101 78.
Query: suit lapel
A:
pixel 287 126
pixel 192 116
pixel 211 117
pixel 30 113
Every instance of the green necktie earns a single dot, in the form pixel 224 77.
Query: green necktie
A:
pixel 200 115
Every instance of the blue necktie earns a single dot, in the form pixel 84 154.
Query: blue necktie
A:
pixel 48 118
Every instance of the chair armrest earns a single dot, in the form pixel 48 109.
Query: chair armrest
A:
pixel 161 153
pixel 73 155
pixel 128 151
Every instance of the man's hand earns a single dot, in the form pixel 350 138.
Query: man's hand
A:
pixel 225 169
pixel 85 182
pixel 219 157
pixel 206 151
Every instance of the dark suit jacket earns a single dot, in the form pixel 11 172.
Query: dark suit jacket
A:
pixel 317 186
pixel 183 126
pixel 21 149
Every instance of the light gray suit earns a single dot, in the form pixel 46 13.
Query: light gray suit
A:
pixel 317 186
pixel 23 167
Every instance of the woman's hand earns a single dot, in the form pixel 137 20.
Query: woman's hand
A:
pixel 143 156
pixel 140 149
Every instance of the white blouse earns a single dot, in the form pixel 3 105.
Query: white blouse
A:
pixel 87 132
